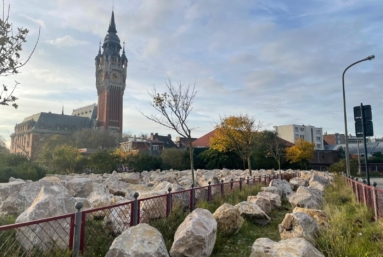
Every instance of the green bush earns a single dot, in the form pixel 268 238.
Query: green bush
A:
pixel 175 159
pixel 340 166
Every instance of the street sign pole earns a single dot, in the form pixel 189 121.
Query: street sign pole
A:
pixel 365 144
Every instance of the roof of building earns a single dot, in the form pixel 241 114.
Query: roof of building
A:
pixel 45 122
pixel 167 140
pixel 372 147
pixel 204 141
pixel 89 111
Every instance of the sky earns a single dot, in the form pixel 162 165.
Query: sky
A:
pixel 280 62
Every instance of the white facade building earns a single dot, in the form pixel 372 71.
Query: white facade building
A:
pixel 308 133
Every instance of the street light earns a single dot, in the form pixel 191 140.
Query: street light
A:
pixel 369 58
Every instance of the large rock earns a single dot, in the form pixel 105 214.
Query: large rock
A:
pixel 6 189
pixel 320 179
pixel 315 193
pixel 296 247
pixel 318 186
pixel 297 182
pixel 79 187
pixel 155 207
pixel 20 200
pixel 274 190
pixel 228 218
pixel 115 186
pixel 275 199
pixel 262 202
pixel 319 216
pixel 196 235
pixel 131 178
pixel 101 197
pixel 50 202
pixel 285 186
pixel 138 241
pixel 304 200
pixel 253 212
pixel 298 225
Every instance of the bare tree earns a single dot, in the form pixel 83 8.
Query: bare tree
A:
pixel 174 107
pixel 10 60
pixel 274 146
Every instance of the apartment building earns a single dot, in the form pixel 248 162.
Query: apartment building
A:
pixel 308 133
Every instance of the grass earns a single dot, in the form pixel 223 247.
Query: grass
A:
pixel 352 230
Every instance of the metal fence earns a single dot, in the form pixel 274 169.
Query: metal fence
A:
pixel 371 196
pixel 91 232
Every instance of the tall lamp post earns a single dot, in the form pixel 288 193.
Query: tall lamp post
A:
pixel 369 58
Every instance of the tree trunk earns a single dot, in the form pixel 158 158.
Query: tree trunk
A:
pixel 279 168
pixel 191 159
pixel 249 164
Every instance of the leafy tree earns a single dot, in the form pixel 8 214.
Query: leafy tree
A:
pixel 45 154
pixel 301 152
pixel 174 107
pixel 376 158
pixel 91 138
pixel 138 162
pixel 274 146
pixel 239 134
pixel 65 158
pixel 10 60
pixel 3 147
pixel 18 166
pixel 214 159
pixel 341 166
pixel 175 159
pixel 103 161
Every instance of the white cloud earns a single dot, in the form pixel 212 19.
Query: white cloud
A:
pixel 37 21
pixel 66 40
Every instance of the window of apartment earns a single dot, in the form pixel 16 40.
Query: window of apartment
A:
pixel 319 145
pixel 302 136
pixel 318 131
pixel 318 138
pixel 296 136
pixel 296 129
pixel 155 147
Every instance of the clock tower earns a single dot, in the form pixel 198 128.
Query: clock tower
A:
pixel 111 69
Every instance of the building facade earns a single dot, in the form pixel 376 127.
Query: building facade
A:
pixel 111 67
pixel 292 132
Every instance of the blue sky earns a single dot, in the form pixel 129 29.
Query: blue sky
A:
pixel 279 61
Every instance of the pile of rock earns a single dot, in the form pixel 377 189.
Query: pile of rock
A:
pixel 299 229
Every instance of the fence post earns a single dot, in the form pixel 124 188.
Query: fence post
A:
pixel 253 180
pixel 209 191
pixel 135 209
pixel 222 190
pixel 169 202
pixel 357 190
pixel 374 199
pixel 240 184
pixel 248 180
pixel 364 192
pixel 192 198
pixel 77 230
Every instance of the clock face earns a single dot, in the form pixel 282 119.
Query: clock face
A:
pixel 115 76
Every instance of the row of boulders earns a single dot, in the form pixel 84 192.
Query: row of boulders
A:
pixel 298 229
pixel 197 234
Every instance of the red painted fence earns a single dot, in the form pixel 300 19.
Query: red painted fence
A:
pixel 368 195
pixel 99 226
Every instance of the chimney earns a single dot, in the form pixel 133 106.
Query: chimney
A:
pixel 169 136
pixel 156 136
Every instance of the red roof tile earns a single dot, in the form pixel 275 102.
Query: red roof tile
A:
pixel 204 141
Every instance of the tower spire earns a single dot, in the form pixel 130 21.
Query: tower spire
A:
pixel 62 112
pixel 112 24
pixel 99 48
